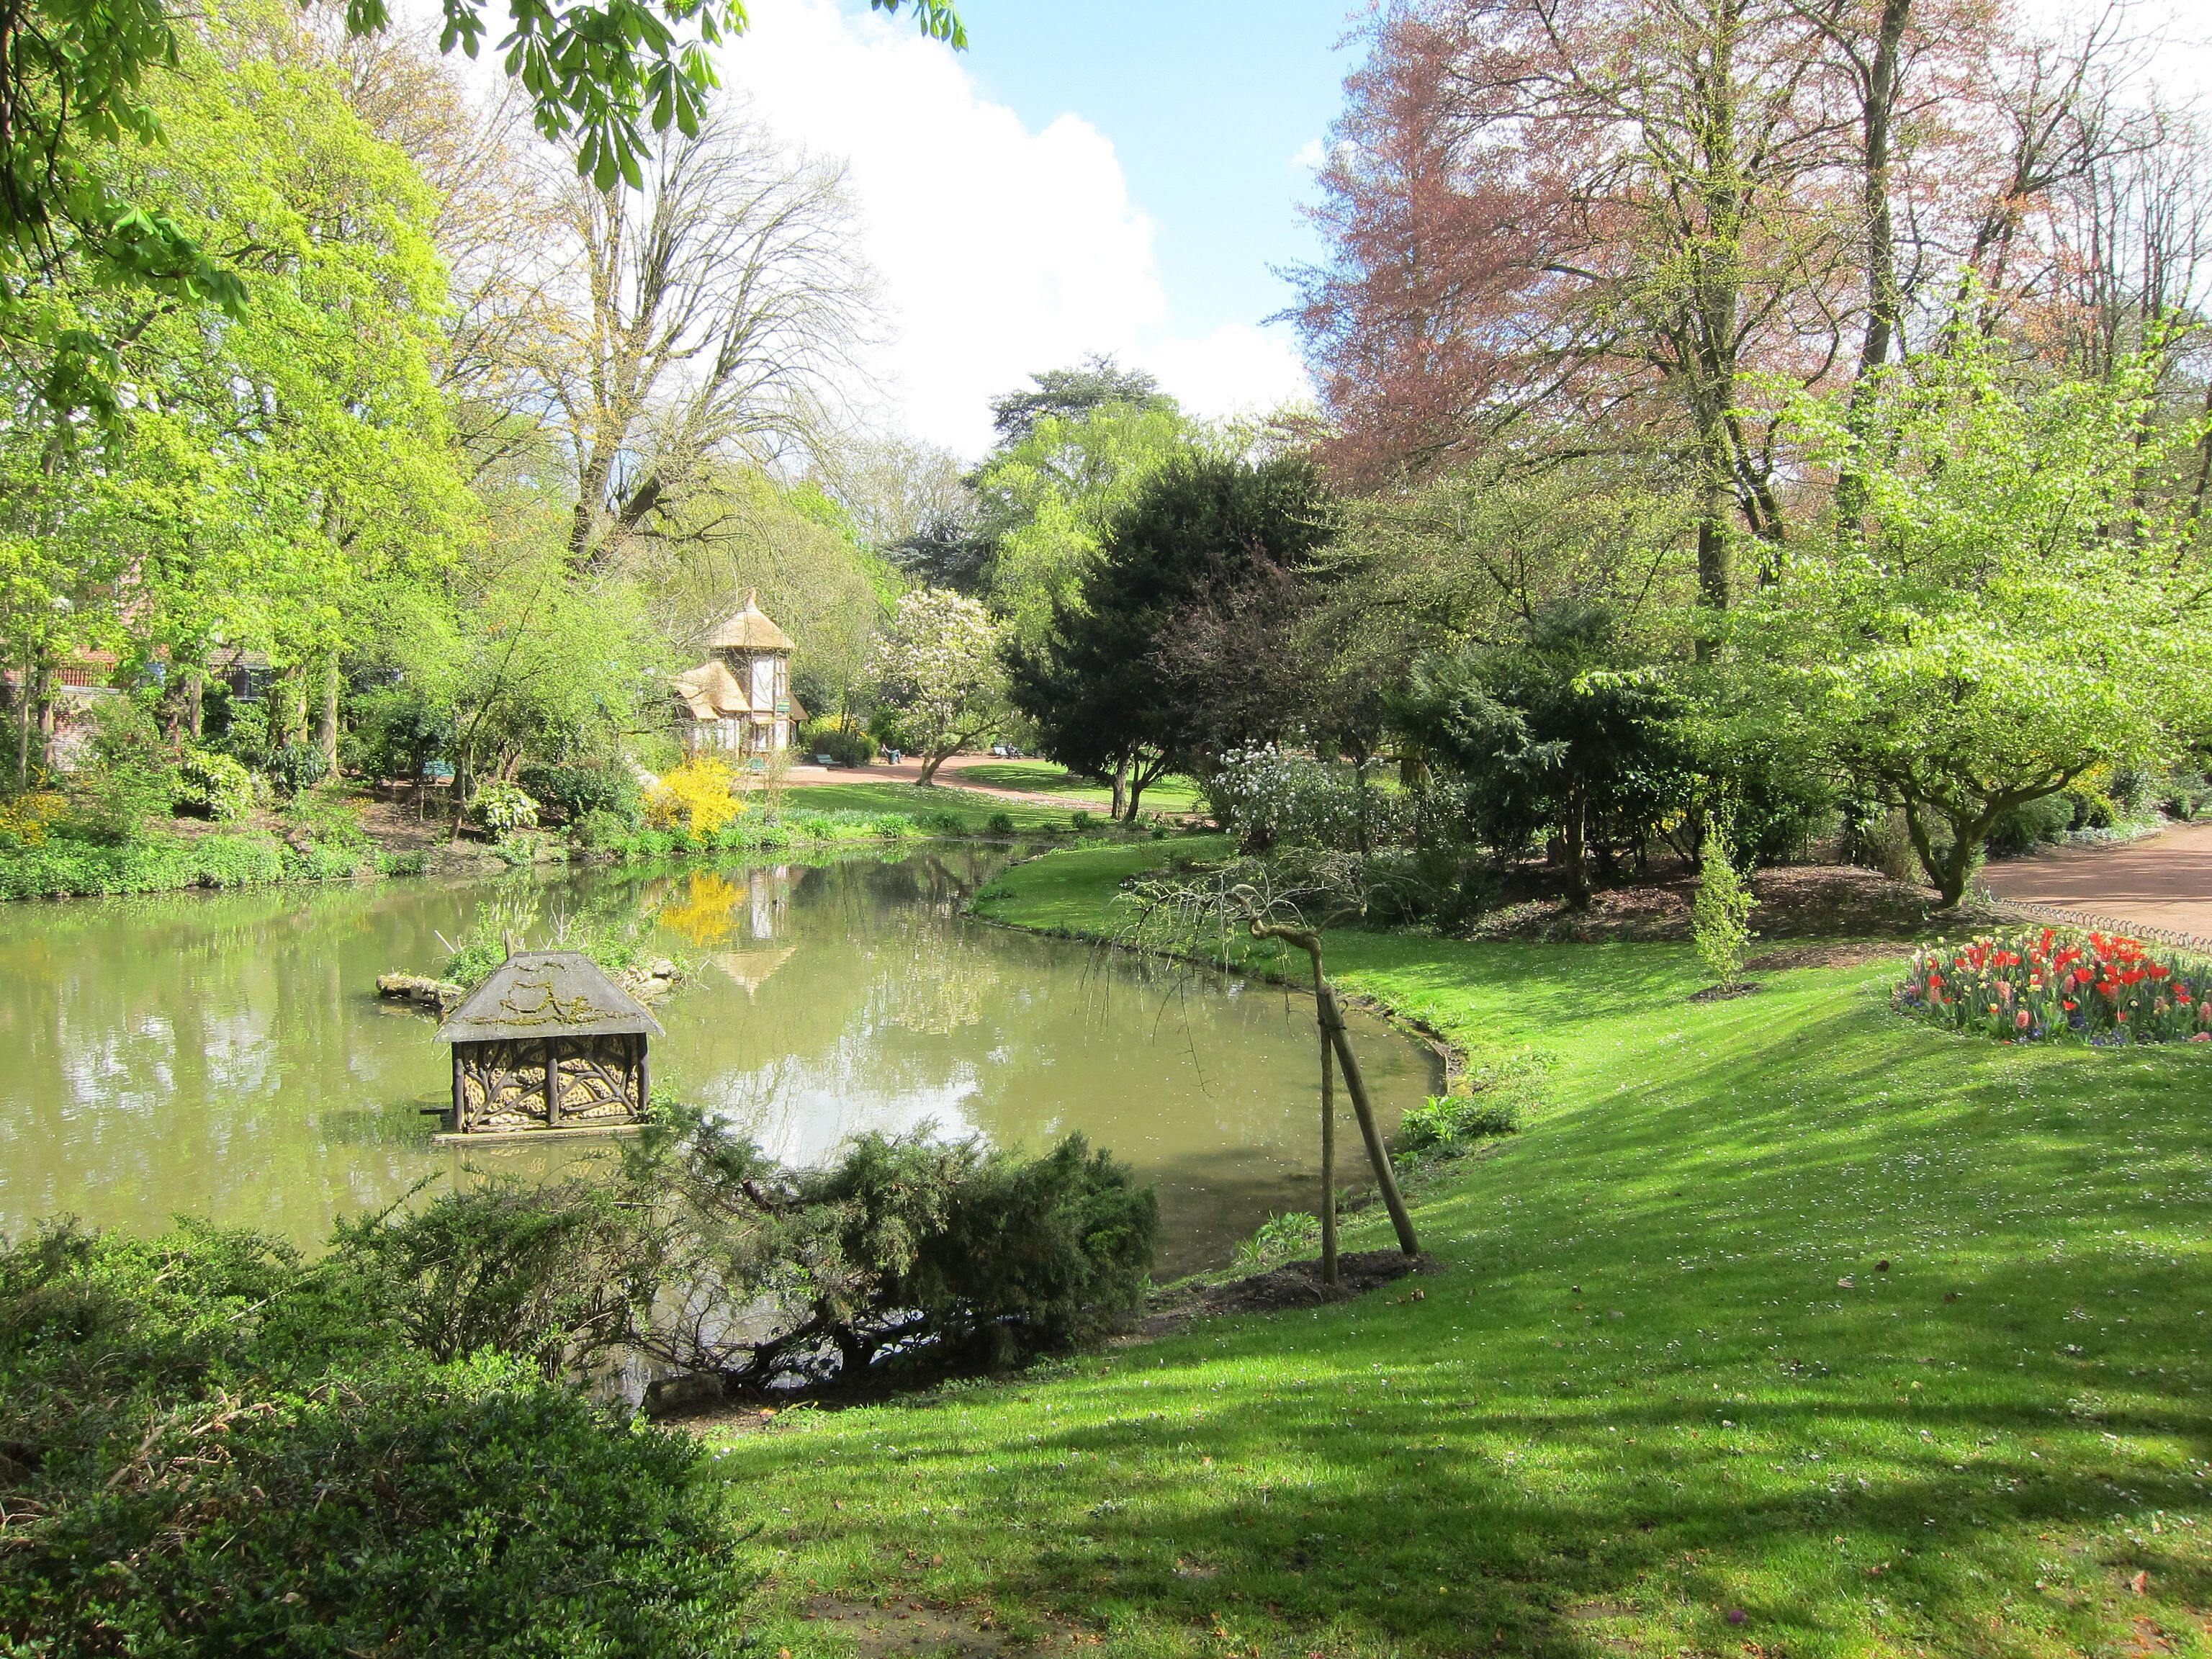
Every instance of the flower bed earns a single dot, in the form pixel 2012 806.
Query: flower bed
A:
pixel 2028 986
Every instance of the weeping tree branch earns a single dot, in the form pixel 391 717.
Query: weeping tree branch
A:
pixel 1210 909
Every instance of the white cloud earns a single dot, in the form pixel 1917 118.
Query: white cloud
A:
pixel 1000 250
pixel 1237 369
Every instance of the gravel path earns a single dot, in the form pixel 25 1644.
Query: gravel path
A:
pixel 2161 885
pixel 909 771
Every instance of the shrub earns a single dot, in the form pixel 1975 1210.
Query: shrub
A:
pixel 285 1473
pixel 1278 1238
pixel 1266 795
pixel 941 821
pixel 2027 985
pixel 701 795
pixel 214 784
pixel 295 766
pixel 1001 823
pixel 575 789
pixel 327 815
pixel 1450 1121
pixel 599 828
pixel 846 745
pixel 2030 825
pixel 501 806
pixel 1720 918
pixel 1081 820
pixel 763 1275
pixel 26 820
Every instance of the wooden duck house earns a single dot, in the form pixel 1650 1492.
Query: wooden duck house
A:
pixel 548 1044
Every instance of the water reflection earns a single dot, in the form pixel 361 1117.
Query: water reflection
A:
pixel 220 1055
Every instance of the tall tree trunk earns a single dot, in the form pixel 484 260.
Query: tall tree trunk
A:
pixel 929 765
pixel 1885 301
pixel 23 728
pixel 1119 810
pixel 326 734
pixel 1575 848
pixel 46 722
pixel 196 703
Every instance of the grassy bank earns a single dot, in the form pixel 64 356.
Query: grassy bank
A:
pixel 163 858
pixel 1786 1327
pixel 1172 794
pixel 967 810
pixel 163 861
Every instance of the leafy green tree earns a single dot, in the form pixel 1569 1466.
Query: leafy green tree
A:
pixel 1564 729
pixel 2022 605
pixel 80 86
pixel 1043 501
pixel 1175 643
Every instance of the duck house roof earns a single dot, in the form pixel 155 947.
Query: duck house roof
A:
pixel 546 993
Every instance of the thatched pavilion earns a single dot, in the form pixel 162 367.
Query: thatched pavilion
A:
pixel 738 702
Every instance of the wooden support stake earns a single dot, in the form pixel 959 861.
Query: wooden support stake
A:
pixel 552 1085
pixel 1378 1154
pixel 1331 1019
pixel 1329 1275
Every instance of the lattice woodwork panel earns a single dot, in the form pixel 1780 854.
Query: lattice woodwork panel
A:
pixel 598 1079
pixel 502 1085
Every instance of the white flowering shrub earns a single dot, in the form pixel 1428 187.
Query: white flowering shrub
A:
pixel 1267 796
pixel 502 806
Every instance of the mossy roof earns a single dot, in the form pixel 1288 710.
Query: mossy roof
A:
pixel 546 993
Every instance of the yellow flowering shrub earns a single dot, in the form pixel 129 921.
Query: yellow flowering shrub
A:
pixel 701 795
pixel 26 818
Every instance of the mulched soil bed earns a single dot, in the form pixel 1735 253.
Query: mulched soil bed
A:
pixel 1293 1284
pixel 1795 901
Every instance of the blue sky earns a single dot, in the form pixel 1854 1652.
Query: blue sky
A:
pixel 1206 102
pixel 1114 177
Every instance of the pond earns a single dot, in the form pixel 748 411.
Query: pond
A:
pixel 225 1055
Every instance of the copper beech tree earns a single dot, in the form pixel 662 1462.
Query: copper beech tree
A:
pixel 1577 228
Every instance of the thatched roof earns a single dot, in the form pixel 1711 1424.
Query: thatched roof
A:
pixel 547 994
pixel 710 692
pixel 748 629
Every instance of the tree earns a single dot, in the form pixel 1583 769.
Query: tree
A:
pixel 1072 395
pixel 695 322
pixel 80 84
pixel 2023 606
pixel 267 468
pixel 1044 500
pixel 938 666
pixel 1562 729
pixel 1176 644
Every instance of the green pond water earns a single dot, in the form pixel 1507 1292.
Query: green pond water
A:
pixel 225 1054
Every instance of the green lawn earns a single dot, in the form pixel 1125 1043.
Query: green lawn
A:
pixel 973 811
pixel 1172 794
pixel 1787 1327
